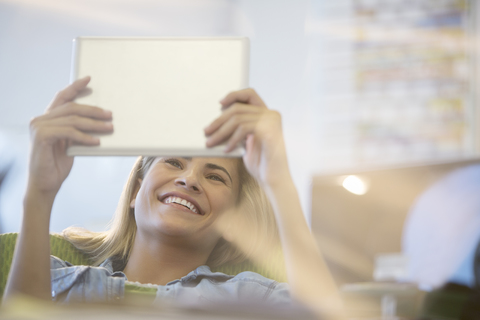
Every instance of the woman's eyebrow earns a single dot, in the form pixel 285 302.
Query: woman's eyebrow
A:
pixel 215 166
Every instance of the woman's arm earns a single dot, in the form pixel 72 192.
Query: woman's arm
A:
pixel 309 277
pixel 63 123
pixel 246 118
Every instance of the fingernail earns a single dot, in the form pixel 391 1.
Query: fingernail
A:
pixel 210 142
pixel 222 101
pixel 107 112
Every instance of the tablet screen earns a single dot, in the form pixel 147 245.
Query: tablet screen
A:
pixel 162 91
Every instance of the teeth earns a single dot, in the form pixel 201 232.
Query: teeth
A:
pixel 181 201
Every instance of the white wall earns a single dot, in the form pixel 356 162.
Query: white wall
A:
pixel 281 75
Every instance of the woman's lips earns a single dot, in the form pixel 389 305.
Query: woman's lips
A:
pixel 181 202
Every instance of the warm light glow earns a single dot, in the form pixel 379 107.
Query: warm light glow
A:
pixel 355 185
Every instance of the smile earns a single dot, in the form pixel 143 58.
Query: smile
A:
pixel 182 202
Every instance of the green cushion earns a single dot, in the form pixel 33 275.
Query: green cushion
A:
pixel 63 249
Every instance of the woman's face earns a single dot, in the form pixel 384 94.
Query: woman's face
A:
pixel 184 197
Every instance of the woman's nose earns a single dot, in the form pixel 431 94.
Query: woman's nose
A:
pixel 188 181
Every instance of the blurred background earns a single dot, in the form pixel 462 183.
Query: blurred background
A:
pixel 379 90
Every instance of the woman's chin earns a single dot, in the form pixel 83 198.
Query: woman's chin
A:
pixel 172 227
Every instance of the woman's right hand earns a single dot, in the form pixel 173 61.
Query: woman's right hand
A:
pixel 64 123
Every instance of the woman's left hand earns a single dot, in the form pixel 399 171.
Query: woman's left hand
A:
pixel 246 119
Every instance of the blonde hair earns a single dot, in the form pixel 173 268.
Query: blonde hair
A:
pixel 254 213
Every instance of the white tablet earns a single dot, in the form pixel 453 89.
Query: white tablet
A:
pixel 162 91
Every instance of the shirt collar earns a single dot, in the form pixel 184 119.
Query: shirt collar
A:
pixel 107 264
pixel 202 271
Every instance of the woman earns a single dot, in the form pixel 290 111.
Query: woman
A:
pixel 178 205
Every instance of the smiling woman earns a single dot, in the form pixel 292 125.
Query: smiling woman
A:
pixel 176 217
pixel 249 205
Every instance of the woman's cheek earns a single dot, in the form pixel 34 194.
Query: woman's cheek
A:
pixel 141 202
pixel 227 200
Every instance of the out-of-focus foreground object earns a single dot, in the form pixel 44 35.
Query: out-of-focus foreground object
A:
pixel 442 230
pixel 441 238
pixel 354 230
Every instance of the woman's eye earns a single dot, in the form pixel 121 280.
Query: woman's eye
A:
pixel 216 178
pixel 174 162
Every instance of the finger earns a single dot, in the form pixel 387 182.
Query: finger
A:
pixel 240 135
pixel 80 123
pixel 51 135
pixel 72 108
pixel 237 108
pixel 249 147
pixel 253 151
pixel 229 127
pixel 69 93
pixel 248 96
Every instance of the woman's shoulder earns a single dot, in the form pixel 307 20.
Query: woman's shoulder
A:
pixel 60 268
pixel 245 285
pixel 244 276
pixel 57 263
pixel 244 279
pixel 76 283
pixel 250 276
pixel 111 264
